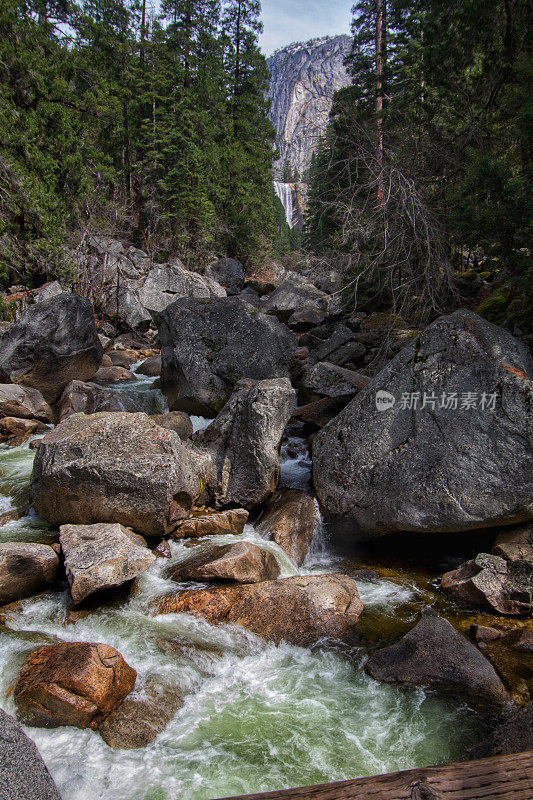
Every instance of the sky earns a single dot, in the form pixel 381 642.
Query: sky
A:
pixel 287 21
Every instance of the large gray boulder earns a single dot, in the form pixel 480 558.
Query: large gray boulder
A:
pixel 491 581
pixel 166 283
pixel 23 774
pixel 25 568
pixel 327 380
pixel 116 467
pixel 122 303
pixel 24 403
pixel 229 273
pixel 101 556
pixel 434 654
pixel 209 345
pixel 51 344
pixel 243 442
pixel 386 466
pixel 294 294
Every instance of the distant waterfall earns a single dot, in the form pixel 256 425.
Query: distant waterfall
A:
pixel 284 192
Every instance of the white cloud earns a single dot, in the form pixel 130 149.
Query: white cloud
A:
pixel 287 21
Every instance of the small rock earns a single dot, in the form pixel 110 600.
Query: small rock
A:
pixel 241 563
pixel 490 581
pixel 113 375
pixel 151 367
pixel 177 421
pixel 23 402
pixel 137 721
pixel 162 550
pixel 482 633
pixel 213 524
pixel 515 544
pixel 25 568
pixel 11 428
pixel 101 556
pixel 289 520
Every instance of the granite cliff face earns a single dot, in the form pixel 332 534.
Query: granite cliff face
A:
pixel 304 78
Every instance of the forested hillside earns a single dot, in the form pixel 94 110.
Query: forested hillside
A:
pixel 426 167
pixel 152 129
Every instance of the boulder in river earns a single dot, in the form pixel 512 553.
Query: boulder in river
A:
pixel 289 520
pixel 116 467
pixel 90 398
pixel 215 523
pixel 23 773
pixel 138 720
pixel 493 582
pixel 434 654
pixel 209 345
pixel 513 734
pixel 25 568
pixel 439 440
pixel 241 562
pixel 51 344
pixel 101 556
pixel 298 610
pixel 113 374
pixel 243 442
pixel 12 428
pixel 23 402
pixel 72 683
pixel 150 367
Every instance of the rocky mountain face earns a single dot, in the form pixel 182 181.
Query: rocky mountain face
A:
pixel 304 78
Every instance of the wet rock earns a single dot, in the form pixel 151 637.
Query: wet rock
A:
pixel 482 633
pixel 298 610
pixel 243 442
pixel 520 640
pixel 54 342
pixel 515 544
pixel 101 556
pixel 240 563
pixel 289 520
pixel 113 375
pixel 216 523
pixel 23 403
pixel 137 721
pixel 514 734
pixel 385 470
pixel 23 773
pixel 434 654
pixel 20 429
pixel 229 273
pixel 366 575
pixel 162 550
pixel 151 367
pixel 72 683
pixel 25 568
pixel 327 380
pixel 116 467
pixel 490 581
pixel 90 398
pixel 177 421
pixel 294 294
pixel 209 345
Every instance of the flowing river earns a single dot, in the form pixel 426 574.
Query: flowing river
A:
pixel 256 716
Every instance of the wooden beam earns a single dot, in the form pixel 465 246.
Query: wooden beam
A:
pixel 500 778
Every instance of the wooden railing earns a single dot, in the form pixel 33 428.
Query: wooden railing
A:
pixel 500 778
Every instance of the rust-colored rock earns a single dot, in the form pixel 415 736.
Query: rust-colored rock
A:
pixel 289 520
pixel 298 610
pixel 214 524
pixel 113 375
pixel 72 683
pixel 14 428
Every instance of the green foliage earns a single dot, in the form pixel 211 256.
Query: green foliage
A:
pixel 155 130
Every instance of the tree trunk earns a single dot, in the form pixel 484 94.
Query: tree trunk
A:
pixel 380 64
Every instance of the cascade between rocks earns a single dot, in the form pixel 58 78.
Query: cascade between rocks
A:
pixel 256 716
pixel 284 192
